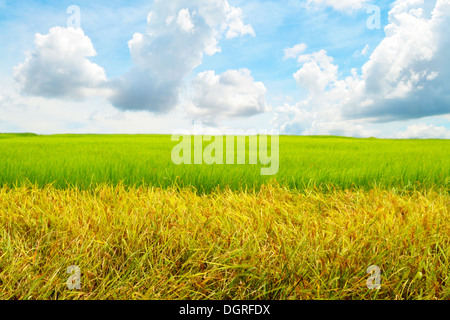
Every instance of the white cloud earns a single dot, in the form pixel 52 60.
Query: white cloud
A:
pixel 339 5
pixel 340 128
pixel 295 51
pixel 59 67
pixel 301 119
pixel 233 93
pixel 423 131
pixel 235 24
pixel 406 76
pixel 168 52
pixel 317 72
pixel 40 115
pixel 179 33
pixel 184 21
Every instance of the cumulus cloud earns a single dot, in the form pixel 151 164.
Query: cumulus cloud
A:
pixel 406 76
pixel 302 119
pixel 233 93
pixel 295 51
pixel 163 57
pixel 235 25
pixel 184 21
pixel 339 5
pixel 141 90
pixel 424 131
pixel 317 72
pixel 59 66
pixel 178 36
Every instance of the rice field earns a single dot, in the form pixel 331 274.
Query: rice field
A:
pixel 85 161
pixel 136 226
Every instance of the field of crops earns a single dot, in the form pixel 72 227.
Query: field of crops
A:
pixel 305 162
pixel 140 227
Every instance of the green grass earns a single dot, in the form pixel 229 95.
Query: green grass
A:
pixel 87 160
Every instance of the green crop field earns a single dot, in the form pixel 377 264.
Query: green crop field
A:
pixel 137 226
pixel 305 162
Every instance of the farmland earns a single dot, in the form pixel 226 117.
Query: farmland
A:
pixel 140 227
pixel 305 162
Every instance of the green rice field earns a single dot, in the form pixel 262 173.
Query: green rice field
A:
pixel 87 160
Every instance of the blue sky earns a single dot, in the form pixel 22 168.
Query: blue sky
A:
pixel 304 67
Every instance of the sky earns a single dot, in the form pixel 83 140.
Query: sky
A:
pixel 357 68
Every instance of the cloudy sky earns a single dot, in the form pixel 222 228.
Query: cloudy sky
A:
pixel 361 68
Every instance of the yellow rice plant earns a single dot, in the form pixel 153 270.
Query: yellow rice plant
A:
pixel 150 243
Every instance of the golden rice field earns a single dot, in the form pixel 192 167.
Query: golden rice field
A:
pixel 273 243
